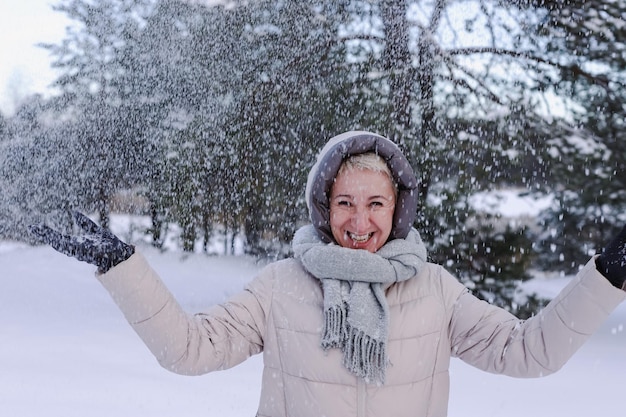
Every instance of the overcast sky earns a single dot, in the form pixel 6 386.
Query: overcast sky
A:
pixel 24 67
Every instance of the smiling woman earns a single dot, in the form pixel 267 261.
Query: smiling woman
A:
pixel 357 323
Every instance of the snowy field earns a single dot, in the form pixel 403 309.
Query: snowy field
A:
pixel 65 350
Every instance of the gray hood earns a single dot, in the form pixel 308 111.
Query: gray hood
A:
pixel 329 160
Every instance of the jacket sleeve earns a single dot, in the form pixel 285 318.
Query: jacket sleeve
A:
pixel 219 338
pixel 493 340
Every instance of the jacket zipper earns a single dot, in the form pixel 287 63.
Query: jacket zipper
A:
pixel 361 394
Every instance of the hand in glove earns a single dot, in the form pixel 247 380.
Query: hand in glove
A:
pixel 98 246
pixel 612 261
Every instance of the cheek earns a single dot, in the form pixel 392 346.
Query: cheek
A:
pixel 337 218
pixel 384 220
pixel 336 221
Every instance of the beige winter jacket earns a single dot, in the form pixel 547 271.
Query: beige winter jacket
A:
pixel 433 317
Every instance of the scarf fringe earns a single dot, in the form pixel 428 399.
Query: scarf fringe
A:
pixel 363 355
pixel 335 327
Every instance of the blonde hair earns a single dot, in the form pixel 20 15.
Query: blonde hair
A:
pixel 367 161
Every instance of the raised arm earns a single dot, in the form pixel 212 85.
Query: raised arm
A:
pixel 495 341
pixel 219 338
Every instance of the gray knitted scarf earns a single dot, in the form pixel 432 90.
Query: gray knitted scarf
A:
pixel 356 316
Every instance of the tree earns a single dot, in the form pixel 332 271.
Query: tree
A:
pixel 300 89
pixel 31 169
pixel 107 149
pixel 467 89
pixel 585 158
pixel 454 107
pixel 3 127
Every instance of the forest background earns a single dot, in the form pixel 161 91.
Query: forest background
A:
pixel 206 116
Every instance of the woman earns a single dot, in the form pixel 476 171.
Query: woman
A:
pixel 358 323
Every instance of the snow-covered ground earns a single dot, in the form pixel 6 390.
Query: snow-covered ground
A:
pixel 65 350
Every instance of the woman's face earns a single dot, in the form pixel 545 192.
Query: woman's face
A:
pixel 362 203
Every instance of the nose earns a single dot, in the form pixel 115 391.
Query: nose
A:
pixel 360 219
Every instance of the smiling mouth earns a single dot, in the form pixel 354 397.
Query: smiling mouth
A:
pixel 360 238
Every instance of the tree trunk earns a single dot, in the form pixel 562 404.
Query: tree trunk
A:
pixel 102 205
pixel 396 61
pixel 414 133
pixel 157 228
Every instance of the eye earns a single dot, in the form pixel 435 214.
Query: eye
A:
pixel 376 204
pixel 344 203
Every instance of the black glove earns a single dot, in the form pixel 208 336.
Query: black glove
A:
pixel 612 261
pixel 98 246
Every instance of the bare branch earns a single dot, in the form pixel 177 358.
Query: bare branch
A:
pixel 574 69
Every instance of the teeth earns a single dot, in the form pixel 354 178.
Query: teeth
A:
pixel 360 238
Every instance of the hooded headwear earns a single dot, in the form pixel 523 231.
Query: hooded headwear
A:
pixel 323 173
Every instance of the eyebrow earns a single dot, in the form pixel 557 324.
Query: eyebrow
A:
pixel 374 197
